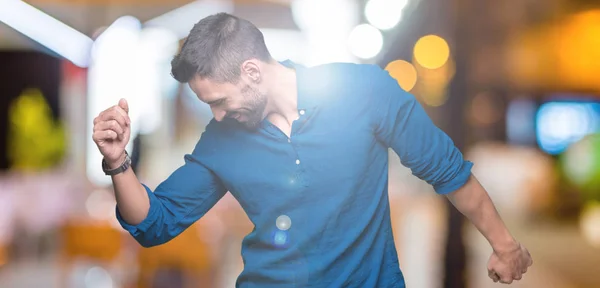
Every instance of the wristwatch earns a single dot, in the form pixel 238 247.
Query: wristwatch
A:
pixel 122 168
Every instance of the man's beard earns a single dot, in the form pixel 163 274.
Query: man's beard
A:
pixel 256 104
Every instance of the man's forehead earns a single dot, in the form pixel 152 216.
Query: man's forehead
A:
pixel 207 90
pixel 206 85
pixel 201 86
pixel 194 89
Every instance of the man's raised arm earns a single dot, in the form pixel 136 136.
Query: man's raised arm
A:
pixel 153 218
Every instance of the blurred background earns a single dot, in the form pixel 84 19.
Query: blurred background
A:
pixel 514 83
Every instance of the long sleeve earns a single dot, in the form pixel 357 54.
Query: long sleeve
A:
pixel 179 201
pixel 400 122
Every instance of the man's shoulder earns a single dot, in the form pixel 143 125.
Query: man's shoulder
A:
pixel 212 139
pixel 333 78
pixel 215 130
pixel 342 69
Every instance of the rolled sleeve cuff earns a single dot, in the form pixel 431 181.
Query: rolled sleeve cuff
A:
pixel 135 230
pixel 459 180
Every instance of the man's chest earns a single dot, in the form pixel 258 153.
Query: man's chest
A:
pixel 270 167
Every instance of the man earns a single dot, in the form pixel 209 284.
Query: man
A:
pixel 305 152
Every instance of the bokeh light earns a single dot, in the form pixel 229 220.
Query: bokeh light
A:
pixel 484 110
pixel 581 165
pixel 404 72
pixel 283 222
pixel 318 15
pixel 431 51
pixel 432 86
pixel 365 41
pixel 326 26
pixel 100 204
pixel 560 124
pixel 280 238
pixel 577 45
pixel 589 223
pixel 384 14
pixel 557 55
pixel 98 277
pixel 520 121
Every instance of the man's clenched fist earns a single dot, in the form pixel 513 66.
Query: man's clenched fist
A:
pixel 111 133
pixel 510 264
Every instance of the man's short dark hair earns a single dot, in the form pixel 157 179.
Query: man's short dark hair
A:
pixel 216 48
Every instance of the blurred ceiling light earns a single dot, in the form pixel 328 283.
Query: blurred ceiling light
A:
pixel 384 14
pixel 182 19
pixel 431 51
pixel 124 22
pixel 156 48
pixel 404 72
pixel 46 30
pixel 365 41
pixel 126 27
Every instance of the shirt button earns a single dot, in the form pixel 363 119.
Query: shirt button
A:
pixel 302 112
pixel 289 140
pixel 297 162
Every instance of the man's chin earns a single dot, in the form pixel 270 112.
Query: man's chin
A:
pixel 250 125
pixel 250 122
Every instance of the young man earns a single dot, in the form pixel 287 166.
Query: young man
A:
pixel 305 152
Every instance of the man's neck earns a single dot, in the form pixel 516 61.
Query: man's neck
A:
pixel 282 91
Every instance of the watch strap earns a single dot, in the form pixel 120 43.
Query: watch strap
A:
pixel 122 168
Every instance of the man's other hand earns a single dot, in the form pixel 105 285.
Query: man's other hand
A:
pixel 509 264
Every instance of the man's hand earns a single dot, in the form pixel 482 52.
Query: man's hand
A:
pixel 509 264
pixel 111 133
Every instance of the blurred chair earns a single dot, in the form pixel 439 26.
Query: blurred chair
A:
pixel 185 260
pixel 97 241
pixel 92 241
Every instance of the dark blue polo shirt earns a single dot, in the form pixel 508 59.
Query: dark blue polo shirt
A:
pixel 318 199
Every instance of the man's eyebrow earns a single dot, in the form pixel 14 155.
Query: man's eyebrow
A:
pixel 215 101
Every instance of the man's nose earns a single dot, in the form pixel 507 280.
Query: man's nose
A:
pixel 219 114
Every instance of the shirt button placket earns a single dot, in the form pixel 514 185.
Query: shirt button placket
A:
pixel 298 174
pixel 301 112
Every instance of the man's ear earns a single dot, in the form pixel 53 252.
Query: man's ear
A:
pixel 251 69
